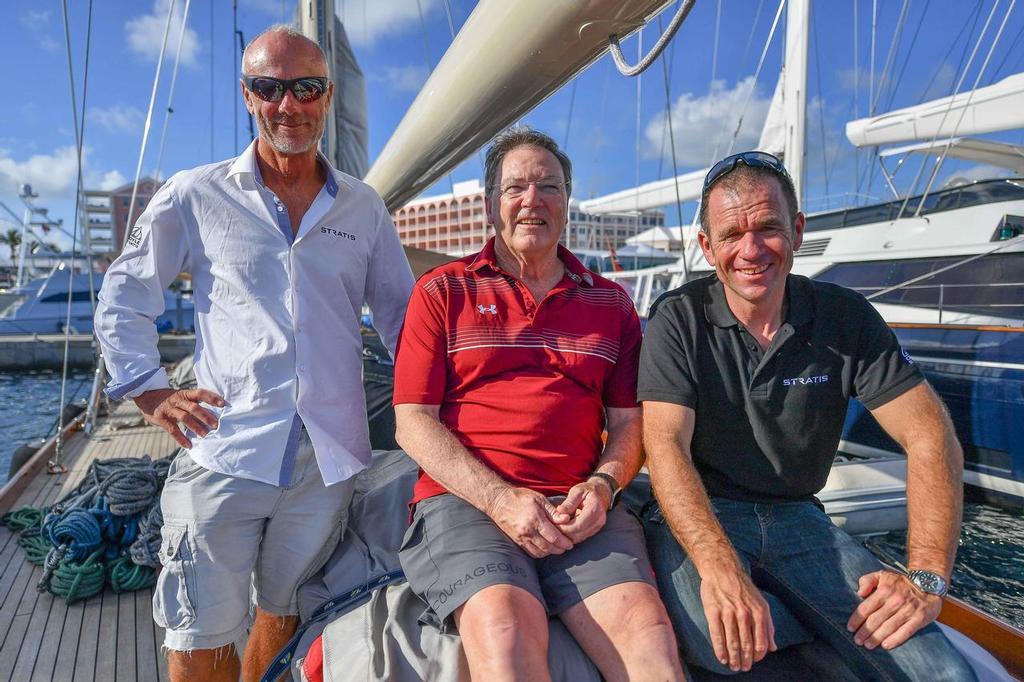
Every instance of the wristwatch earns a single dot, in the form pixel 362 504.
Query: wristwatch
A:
pixel 929 583
pixel 613 484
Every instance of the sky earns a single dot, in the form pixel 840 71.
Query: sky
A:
pixel 613 127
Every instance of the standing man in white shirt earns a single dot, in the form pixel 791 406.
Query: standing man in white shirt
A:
pixel 283 249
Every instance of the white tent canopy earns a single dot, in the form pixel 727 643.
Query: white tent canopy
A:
pixel 990 152
pixel 999 106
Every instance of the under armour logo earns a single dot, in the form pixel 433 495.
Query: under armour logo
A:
pixel 493 310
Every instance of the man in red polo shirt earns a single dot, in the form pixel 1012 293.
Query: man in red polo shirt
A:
pixel 510 365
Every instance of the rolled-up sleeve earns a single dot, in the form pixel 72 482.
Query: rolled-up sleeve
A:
pixel 132 296
pixel 389 281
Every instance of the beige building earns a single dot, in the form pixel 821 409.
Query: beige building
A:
pixel 456 223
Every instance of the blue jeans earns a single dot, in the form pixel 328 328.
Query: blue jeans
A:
pixel 807 569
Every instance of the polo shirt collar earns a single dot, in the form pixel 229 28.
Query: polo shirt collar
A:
pixel 245 165
pixel 576 271
pixel 799 303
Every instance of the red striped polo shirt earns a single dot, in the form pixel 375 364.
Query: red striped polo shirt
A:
pixel 522 385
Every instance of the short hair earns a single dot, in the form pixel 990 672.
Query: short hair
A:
pixel 744 176
pixel 292 32
pixel 521 136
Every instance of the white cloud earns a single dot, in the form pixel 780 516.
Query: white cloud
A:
pixel 703 125
pixel 117 119
pixel 368 20
pixel 53 176
pixel 49 174
pixel 42 26
pixel 402 78
pixel 112 180
pixel 975 173
pixel 146 32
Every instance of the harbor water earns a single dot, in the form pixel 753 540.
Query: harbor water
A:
pixel 990 563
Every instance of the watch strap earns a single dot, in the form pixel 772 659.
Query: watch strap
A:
pixel 613 484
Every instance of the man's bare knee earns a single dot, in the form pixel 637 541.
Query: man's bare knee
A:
pixel 505 634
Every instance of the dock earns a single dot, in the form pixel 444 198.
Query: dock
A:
pixel 106 638
pixel 46 351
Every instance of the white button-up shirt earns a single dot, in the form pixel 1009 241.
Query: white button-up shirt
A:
pixel 277 320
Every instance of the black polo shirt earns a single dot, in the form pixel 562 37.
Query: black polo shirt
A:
pixel 768 422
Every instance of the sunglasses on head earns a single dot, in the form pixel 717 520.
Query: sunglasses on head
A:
pixel 752 159
pixel 305 89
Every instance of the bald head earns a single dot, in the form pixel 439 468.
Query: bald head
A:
pixel 279 46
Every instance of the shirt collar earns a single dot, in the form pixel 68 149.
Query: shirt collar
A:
pixel 799 303
pixel 246 164
pixel 576 271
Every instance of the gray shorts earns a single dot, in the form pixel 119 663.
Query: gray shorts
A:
pixel 225 538
pixel 452 551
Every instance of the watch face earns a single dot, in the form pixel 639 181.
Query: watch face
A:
pixel 929 582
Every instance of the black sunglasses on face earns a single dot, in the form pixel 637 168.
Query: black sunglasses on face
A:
pixel 753 159
pixel 305 89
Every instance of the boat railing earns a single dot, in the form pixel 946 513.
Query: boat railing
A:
pixel 946 298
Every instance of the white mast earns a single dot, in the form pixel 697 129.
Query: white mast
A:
pixel 794 93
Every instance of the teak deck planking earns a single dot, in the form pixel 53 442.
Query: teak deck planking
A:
pixel 106 638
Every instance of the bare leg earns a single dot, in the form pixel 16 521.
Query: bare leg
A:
pixel 504 631
pixel 627 634
pixel 268 635
pixel 209 665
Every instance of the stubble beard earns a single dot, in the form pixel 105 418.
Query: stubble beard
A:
pixel 287 145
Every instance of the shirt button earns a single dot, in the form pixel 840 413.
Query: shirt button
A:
pixel 280 208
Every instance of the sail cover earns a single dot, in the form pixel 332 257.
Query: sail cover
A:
pixel 989 152
pixel 999 106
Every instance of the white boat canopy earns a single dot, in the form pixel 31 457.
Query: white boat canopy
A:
pixel 994 153
pixel 999 106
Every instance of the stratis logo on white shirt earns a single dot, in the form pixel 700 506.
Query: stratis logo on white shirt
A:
pixel 338 233
pixel 492 310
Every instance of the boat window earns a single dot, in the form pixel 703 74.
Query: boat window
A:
pixel 12 307
pixel 76 297
pixel 991 285
pixel 985 192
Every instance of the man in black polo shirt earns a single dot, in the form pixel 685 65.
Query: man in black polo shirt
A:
pixel 745 379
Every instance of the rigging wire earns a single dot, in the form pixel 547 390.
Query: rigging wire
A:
pixel 963 111
pixel 1015 41
pixel 234 55
pixel 757 73
pixel 170 93
pixel 906 60
pixel 55 466
pixel 856 81
pixel 753 27
pixel 568 121
pixel 149 121
pixel 636 141
pixel 211 85
pixel 942 122
pixel 675 165
pixel 643 62
pixel 890 57
pixel 821 106
pixel 883 79
pixel 714 48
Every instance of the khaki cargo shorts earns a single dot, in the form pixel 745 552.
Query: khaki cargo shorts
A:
pixel 228 539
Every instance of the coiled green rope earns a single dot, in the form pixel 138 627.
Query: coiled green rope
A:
pixel 20 519
pixel 125 576
pixel 36 546
pixel 73 581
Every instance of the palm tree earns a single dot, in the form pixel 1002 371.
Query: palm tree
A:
pixel 13 240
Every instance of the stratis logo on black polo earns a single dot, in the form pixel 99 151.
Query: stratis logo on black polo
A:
pixel 804 381
pixel 337 233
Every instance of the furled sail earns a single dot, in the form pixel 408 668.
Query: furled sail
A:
pixel 507 58
pixel 999 106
